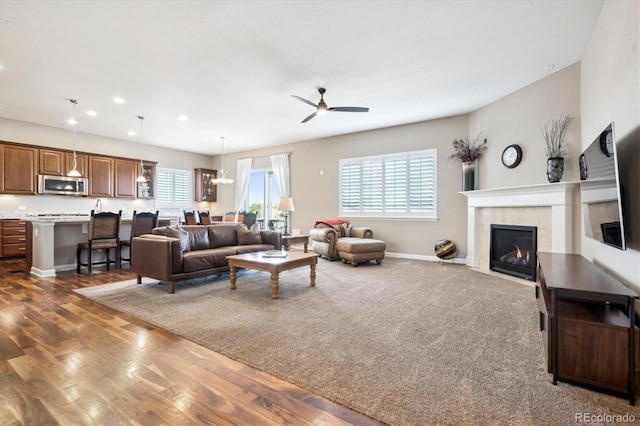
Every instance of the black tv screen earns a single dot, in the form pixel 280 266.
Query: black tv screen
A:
pixel 602 195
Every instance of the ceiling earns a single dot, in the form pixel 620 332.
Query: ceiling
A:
pixel 231 67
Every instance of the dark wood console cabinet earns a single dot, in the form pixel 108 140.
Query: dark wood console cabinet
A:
pixel 587 319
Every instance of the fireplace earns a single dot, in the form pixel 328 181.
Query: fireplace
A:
pixel 513 250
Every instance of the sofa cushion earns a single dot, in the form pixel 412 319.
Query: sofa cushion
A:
pixel 249 236
pixel 251 248
pixel 181 234
pixel 198 237
pixel 222 235
pixel 199 260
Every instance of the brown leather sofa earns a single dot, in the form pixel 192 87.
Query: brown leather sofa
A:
pixel 176 254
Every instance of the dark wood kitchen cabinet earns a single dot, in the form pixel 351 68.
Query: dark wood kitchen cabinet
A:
pixel 147 189
pixel 126 172
pixel 18 169
pixel 51 162
pixel 13 238
pixel 101 176
pixel 205 189
pixel 81 163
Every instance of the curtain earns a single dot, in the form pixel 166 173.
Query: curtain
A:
pixel 243 174
pixel 280 165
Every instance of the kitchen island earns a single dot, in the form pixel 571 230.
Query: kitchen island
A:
pixel 52 241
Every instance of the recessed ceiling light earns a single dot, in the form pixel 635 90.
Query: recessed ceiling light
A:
pixel 118 100
pixel 131 133
pixel 72 121
pixel 91 113
pixel 183 118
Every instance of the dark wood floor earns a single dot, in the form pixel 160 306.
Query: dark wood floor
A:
pixel 65 359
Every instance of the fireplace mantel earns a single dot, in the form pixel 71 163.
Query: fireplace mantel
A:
pixel 558 196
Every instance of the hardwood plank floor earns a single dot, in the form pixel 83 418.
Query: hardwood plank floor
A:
pixel 65 359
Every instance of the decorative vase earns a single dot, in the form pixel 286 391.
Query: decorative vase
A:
pixel 469 175
pixel 555 168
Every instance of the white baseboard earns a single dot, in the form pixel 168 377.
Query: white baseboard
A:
pixel 457 260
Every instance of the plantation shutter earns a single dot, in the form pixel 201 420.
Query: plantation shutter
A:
pixel 173 188
pixel 401 185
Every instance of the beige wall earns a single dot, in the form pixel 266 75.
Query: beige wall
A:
pixel 518 118
pixel 316 194
pixel 610 91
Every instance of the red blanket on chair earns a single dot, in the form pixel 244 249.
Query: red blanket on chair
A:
pixel 342 226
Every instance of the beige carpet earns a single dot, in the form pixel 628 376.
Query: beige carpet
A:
pixel 406 342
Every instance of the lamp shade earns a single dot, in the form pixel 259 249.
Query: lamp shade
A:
pixel 286 205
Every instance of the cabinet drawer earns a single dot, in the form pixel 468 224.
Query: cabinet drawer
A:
pixel 14 239
pixel 13 231
pixel 9 223
pixel 14 249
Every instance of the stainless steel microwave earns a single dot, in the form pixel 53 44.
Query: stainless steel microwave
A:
pixel 62 185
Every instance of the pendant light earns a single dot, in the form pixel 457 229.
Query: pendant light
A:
pixel 222 173
pixel 141 178
pixel 74 171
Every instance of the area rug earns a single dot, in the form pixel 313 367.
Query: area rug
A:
pixel 406 342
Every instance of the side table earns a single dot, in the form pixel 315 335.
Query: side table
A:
pixel 287 240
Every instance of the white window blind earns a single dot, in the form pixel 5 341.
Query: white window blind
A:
pixel 173 188
pixel 400 185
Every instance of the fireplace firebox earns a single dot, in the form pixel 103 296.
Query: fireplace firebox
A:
pixel 513 250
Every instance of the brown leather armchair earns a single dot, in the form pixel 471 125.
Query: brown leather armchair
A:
pixel 325 235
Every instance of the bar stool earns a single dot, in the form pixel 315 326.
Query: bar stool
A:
pixel 142 223
pixel 104 234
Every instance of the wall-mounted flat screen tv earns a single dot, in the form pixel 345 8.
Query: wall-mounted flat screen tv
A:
pixel 602 195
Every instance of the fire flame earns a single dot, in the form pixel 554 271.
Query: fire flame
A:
pixel 524 259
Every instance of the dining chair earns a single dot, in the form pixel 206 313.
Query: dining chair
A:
pixel 190 218
pixel 142 223
pixel 104 234
pixel 205 217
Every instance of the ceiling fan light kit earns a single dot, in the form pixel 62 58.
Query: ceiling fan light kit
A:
pixel 322 108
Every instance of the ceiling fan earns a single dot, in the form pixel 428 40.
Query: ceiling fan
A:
pixel 322 107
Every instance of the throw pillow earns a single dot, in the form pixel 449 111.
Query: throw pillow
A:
pixel 182 234
pixel 249 236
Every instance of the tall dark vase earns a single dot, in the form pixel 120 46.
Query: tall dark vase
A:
pixel 555 168
pixel 469 175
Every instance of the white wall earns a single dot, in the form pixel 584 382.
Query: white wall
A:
pixel 610 91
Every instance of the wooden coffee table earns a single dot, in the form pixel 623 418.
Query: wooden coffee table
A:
pixel 274 265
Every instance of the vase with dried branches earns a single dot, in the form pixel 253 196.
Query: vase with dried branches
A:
pixel 554 132
pixel 468 152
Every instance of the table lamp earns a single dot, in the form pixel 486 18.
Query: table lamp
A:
pixel 286 205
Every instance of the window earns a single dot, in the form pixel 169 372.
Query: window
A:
pixel 401 185
pixel 263 191
pixel 173 188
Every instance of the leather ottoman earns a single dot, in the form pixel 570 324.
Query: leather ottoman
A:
pixel 356 250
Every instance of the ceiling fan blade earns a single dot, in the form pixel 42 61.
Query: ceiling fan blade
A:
pixel 349 109
pixel 305 101
pixel 310 117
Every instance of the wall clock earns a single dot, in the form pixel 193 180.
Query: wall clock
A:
pixel 511 156
pixel 606 143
